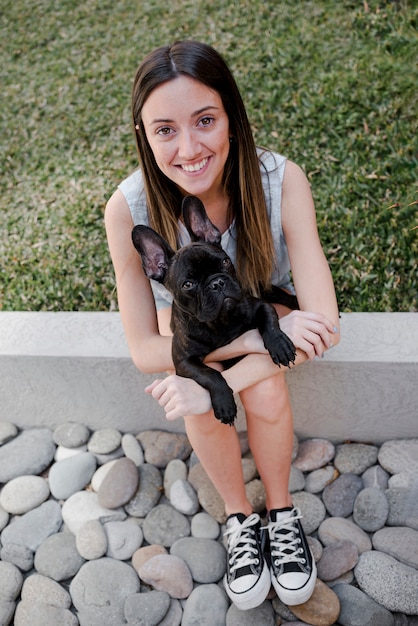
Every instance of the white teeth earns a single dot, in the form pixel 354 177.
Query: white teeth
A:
pixel 196 167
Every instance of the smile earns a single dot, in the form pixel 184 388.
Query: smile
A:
pixel 195 167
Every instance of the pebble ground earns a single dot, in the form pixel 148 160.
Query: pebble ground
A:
pixel 104 528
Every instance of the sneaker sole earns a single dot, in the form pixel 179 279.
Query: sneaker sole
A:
pixel 255 596
pixel 292 597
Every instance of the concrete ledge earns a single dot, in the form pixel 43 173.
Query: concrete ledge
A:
pixel 57 367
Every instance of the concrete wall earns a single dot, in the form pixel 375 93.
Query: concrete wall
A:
pixel 57 367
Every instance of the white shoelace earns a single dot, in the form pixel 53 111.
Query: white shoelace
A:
pixel 285 540
pixel 242 544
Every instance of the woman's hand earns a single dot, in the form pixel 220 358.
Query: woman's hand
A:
pixel 313 333
pixel 180 396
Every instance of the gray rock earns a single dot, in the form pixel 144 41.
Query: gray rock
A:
pixel 203 526
pixel 102 459
pixel 91 540
pixel 175 470
pixel 123 538
pixel 357 609
pixel 161 447
pixel 62 453
pixel 164 525
pixel 183 497
pixel 28 614
pixel 83 506
pixel 313 454
pixel 296 480
pixel 30 452
pixel 371 509
pixel 399 542
pixel 146 609
pixel 41 589
pixel 71 475
pixel 209 498
pixel 340 495
pixel 263 614
pixel 21 556
pixel 174 614
pixel 337 559
pixel 24 493
pixel 4 518
pixel 403 507
pixel 375 477
pixel 355 458
pixel 100 589
pixel 256 495
pixel 317 480
pixel 71 435
pixel 169 573
pixel 34 527
pixel 148 492
pixel 312 508
pixel 389 582
pixel 100 474
pixel 104 441
pixel 11 581
pixel 407 480
pixel 119 485
pixel 207 605
pixel 57 557
pixel 132 449
pixel 399 455
pixel 205 558
pixel 8 431
pixel 339 528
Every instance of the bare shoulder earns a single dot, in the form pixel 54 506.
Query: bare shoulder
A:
pixel 117 209
pixel 297 202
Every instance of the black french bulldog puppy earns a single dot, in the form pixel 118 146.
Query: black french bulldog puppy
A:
pixel 209 308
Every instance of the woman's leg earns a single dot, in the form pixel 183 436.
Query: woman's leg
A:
pixel 218 449
pixel 270 435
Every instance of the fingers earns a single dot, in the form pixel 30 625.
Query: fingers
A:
pixel 311 332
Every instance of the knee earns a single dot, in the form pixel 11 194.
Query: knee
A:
pixel 267 401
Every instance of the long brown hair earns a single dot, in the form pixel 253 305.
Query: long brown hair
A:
pixel 241 179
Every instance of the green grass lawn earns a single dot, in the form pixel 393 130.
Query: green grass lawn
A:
pixel 331 84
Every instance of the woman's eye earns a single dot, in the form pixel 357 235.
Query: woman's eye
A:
pixel 164 131
pixel 206 121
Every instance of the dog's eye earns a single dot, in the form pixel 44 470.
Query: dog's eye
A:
pixel 226 262
pixel 187 285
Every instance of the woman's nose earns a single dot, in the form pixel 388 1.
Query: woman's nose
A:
pixel 188 146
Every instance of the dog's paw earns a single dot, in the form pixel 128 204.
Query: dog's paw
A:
pixel 225 409
pixel 282 351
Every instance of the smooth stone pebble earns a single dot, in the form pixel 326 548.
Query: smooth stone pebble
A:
pixel 339 528
pixel 407 480
pixel 24 493
pixel 174 614
pixel 100 589
pixel 354 458
pixel 169 573
pixel 316 548
pixel 148 492
pixel 100 474
pixel 28 614
pixel 399 455
pixel 62 453
pixel 403 507
pixel 29 453
pixel 263 614
pixel 145 553
pixel 296 480
pixel 357 609
pixel 38 588
pixel 104 441
pixel 371 509
pixel 91 540
pixel 209 498
pixel 376 477
pixel 83 506
pixel 57 557
pixel 34 527
pixel 206 600
pixel 313 454
pixel 203 526
pixel 8 431
pixel 123 539
pixel 119 485
pixel 21 556
pixel 205 558
pixel 147 609
pixel 11 581
pixel 161 447
pixel 312 508
pixel 317 480
pixel 132 449
pixel 164 525
pixel 175 470
pixel 4 518
pixel 256 495
pixel 337 559
pixel 184 498
pixel 71 475
pixel 322 609
pixel 389 582
pixel 399 542
pixel 111 456
pixel 71 435
pixel 340 495
pixel 249 469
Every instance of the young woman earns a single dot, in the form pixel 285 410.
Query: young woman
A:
pixel 194 138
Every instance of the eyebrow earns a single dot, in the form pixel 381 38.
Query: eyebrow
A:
pixel 194 114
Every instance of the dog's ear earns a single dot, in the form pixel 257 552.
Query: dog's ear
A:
pixel 155 252
pixel 197 222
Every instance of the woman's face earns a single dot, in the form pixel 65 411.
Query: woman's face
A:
pixel 188 131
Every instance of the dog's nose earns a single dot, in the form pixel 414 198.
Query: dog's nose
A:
pixel 217 284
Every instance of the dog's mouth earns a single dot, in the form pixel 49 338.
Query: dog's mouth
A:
pixel 229 303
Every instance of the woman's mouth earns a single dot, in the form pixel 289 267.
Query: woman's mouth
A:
pixel 195 167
